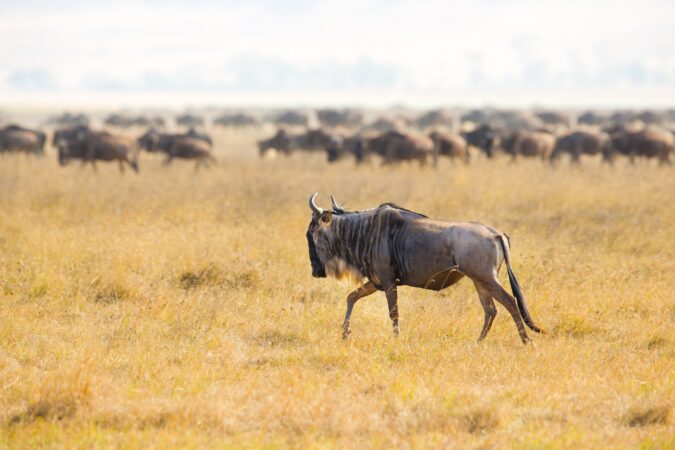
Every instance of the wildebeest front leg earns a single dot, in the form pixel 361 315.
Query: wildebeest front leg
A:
pixel 392 302
pixel 352 298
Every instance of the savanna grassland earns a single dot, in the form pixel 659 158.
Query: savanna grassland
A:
pixel 176 308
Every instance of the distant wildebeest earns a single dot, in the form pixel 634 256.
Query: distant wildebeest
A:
pixel 291 118
pixel 529 144
pixel 69 120
pixel 332 118
pixel 515 120
pixel 190 120
pixel 91 146
pixel 435 118
pixel 281 142
pixel 390 246
pixel 191 145
pixel 651 142
pixel 395 147
pixel 14 138
pixel 286 143
pixel 340 147
pixel 581 142
pixel 482 138
pixel 591 118
pixel 555 118
pixel 450 145
pixel 236 121
pixel 123 121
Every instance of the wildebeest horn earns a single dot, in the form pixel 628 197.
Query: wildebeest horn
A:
pixel 334 204
pixel 312 204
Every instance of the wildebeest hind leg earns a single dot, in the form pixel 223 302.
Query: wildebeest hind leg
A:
pixel 352 298
pixel 121 164
pixel 506 299
pixel 488 307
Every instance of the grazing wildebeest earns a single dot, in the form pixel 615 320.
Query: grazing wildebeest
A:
pixel 482 138
pixel 340 147
pixel 449 144
pixel 285 143
pixel 311 140
pixel 280 142
pixel 90 146
pixel 395 147
pixel 581 142
pixel 190 148
pixel 184 146
pixel 652 142
pixel 390 246
pixel 14 138
pixel 530 144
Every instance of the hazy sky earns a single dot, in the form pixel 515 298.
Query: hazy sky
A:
pixel 358 52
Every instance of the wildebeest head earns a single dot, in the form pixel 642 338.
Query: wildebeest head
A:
pixel 322 243
pixel 318 238
pixel 149 140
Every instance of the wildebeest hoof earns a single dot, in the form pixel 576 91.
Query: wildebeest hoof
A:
pixel 346 333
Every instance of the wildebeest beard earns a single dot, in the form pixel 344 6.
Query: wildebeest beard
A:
pixel 318 269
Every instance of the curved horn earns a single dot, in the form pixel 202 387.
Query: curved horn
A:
pixel 334 204
pixel 312 204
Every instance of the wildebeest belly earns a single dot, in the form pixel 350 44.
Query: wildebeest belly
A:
pixel 435 281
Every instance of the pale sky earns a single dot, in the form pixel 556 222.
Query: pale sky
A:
pixel 351 52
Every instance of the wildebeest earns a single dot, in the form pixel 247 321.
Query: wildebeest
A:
pixel 191 145
pixel 449 144
pixel 70 120
pixel 581 142
pixel 395 147
pixel 14 138
pixel 190 120
pixel 529 144
pixel 90 146
pixel 340 147
pixel 280 142
pixel 482 138
pixel 651 142
pixel 286 143
pixel 123 121
pixel 291 118
pixel 435 118
pixel 555 118
pixel 332 118
pixel 390 246
pixel 236 121
pixel 591 118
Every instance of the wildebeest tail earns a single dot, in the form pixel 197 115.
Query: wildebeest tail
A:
pixel 515 287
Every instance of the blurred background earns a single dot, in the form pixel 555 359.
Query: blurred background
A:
pixel 372 53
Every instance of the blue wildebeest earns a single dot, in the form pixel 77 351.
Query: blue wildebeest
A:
pixel 390 246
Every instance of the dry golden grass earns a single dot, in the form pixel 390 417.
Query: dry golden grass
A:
pixel 177 309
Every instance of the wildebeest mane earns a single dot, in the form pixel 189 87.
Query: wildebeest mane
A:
pixel 341 211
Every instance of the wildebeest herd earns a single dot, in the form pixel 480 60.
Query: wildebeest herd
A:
pixel 343 134
pixel 630 140
pixel 80 142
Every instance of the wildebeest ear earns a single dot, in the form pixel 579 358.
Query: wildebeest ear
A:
pixel 326 217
